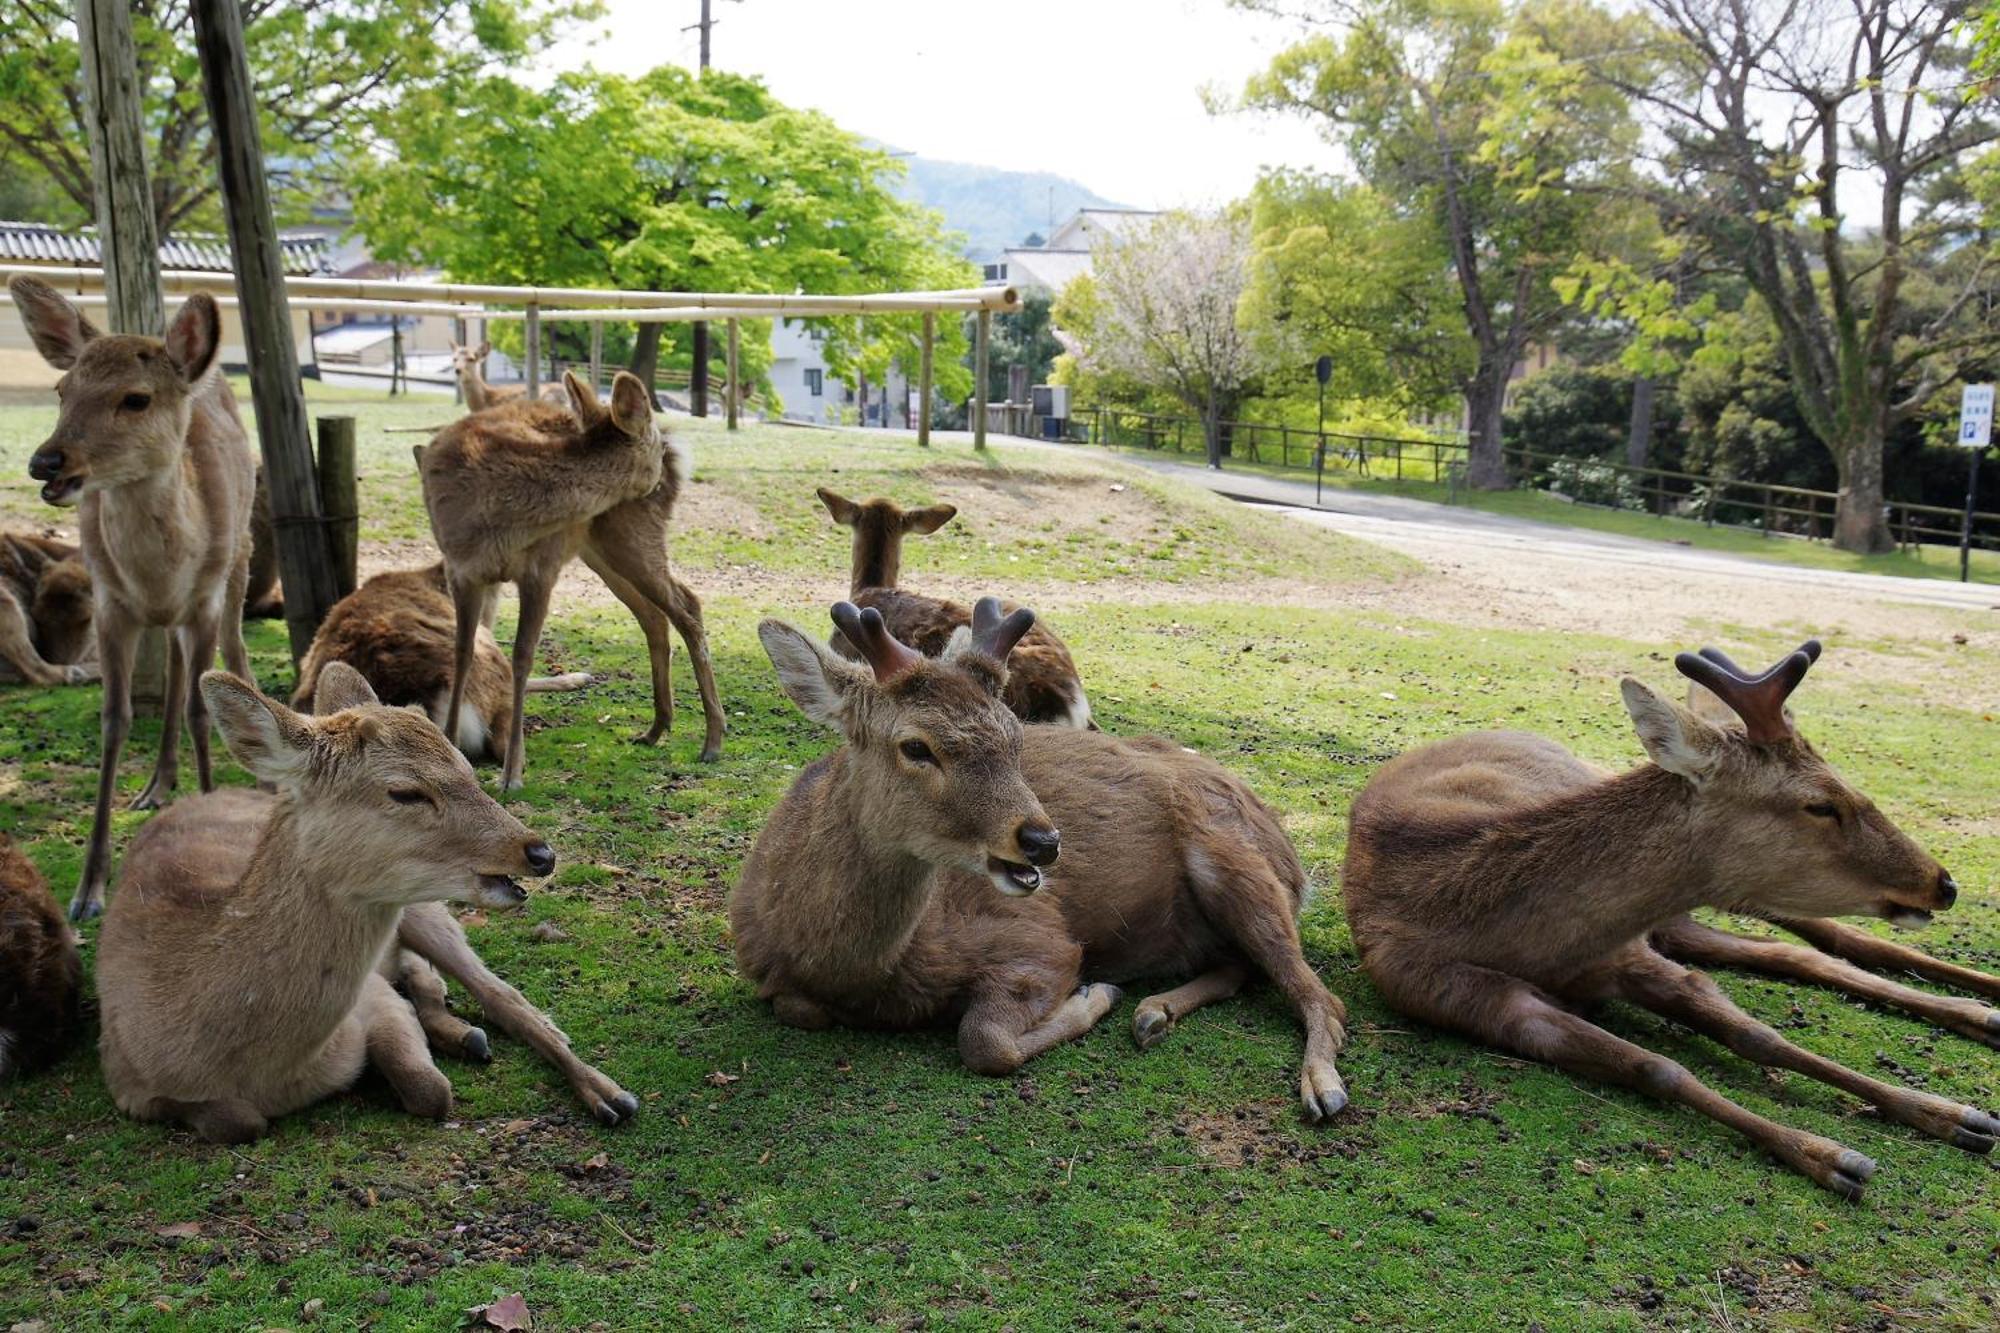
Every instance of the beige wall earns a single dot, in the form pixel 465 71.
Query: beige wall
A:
pixel 14 337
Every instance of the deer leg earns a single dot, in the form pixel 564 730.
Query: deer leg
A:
pixel 198 647
pixel 796 1011
pixel 1000 1032
pixel 17 646
pixel 166 769
pixel 220 1120
pixel 468 602
pixel 1510 1013
pixel 1688 997
pixel 234 655
pixel 1157 1014
pixel 117 643
pixel 644 564
pixel 431 932
pixel 425 989
pixel 1688 941
pixel 397 1048
pixel 535 588
pixel 1858 946
pixel 659 643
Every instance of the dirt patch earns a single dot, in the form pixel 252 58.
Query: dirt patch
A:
pixel 1007 503
pixel 1268 1134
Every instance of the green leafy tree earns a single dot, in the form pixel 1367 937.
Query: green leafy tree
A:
pixel 324 70
pixel 1021 338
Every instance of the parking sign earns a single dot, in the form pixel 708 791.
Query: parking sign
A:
pixel 1975 416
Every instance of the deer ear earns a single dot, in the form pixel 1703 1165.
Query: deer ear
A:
pixel 926 521
pixel 268 738
pixel 821 684
pixel 58 328
pixel 582 400
pixel 1674 738
pixel 844 510
pixel 195 337
pixel 484 350
pixel 631 405
pixel 341 687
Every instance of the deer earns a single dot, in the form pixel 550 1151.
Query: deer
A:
pixel 149 445
pixel 41 977
pixel 249 964
pixel 1496 885
pixel 467 367
pixel 515 492
pixel 1042 680
pixel 910 878
pixel 396 630
pixel 44 610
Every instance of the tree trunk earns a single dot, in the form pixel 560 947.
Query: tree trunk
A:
pixel 1858 524
pixel 646 357
pixel 698 381
pixel 1486 468
pixel 1639 439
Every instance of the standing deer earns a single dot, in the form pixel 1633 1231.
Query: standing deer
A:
pixel 396 630
pixel 1495 882
pixel 1042 680
pixel 41 978
pixel 468 367
pixel 44 610
pixel 149 442
pixel 248 965
pixel 516 491
pixel 896 885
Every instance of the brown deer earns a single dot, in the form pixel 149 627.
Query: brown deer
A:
pixel 149 442
pixel 468 367
pixel 396 630
pixel 516 491
pixel 248 965
pixel 896 885
pixel 41 978
pixel 1042 680
pixel 1495 882
pixel 44 610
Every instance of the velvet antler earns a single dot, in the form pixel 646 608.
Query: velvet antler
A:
pixel 871 638
pixel 994 634
pixel 1758 700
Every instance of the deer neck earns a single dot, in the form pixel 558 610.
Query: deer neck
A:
pixel 472 386
pixel 878 559
pixel 1629 852
pixel 876 894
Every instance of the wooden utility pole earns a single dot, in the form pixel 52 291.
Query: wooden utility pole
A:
pixel 698 333
pixel 305 547
pixel 126 237
pixel 981 339
pixel 924 380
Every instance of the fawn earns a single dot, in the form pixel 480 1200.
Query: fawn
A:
pixel 1495 881
pixel 911 879
pixel 41 978
pixel 396 630
pixel 44 610
pixel 247 967
pixel 1042 680
pixel 149 443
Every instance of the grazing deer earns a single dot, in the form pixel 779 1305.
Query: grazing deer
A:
pixel 149 442
pixel 896 885
pixel 44 610
pixel 1042 680
pixel 396 630
pixel 1495 881
pixel 516 491
pixel 41 977
pixel 468 367
pixel 247 967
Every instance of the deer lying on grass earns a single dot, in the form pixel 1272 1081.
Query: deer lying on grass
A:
pixel 1494 881
pixel 41 978
pixel 44 610
pixel 149 442
pixel 468 367
pixel 895 886
pixel 248 965
pixel 396 630
pixel 516 491
pixel 1042 680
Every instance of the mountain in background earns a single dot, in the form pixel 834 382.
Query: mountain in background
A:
pixel 994 208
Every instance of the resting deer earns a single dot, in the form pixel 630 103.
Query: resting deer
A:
pixel 396 630
pixel 149 442
pixel 468 367
pixel 516 491
pixel 1042 680
pixel 248 965
pixel 44 610
pixel 896 885
pixel 41 978
pixel 1494 882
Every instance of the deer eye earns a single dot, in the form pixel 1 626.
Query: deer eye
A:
pixel 1824 810
pixel 408 796
pixel 137 402
pixel 917 752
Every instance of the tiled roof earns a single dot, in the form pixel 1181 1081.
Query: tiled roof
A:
pixel 39 243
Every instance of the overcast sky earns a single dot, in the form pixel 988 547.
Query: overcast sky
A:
pixel 1106 92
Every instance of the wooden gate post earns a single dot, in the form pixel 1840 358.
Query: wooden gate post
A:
pixel 924 380
pixel 597 356
pixel 981 336
pixel 734 388
pixel 533 351
pixel 335 467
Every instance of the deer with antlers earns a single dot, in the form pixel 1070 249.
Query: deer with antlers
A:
pixel 1495 883
pixel 149 444
pixel 911 878
pixel 1042 680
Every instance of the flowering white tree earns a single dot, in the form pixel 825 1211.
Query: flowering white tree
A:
pixel 1164 312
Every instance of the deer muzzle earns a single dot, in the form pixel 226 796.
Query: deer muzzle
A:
pixel 47 466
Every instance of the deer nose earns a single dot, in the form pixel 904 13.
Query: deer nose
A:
pixel 541 857
pixel 1039 845
pixel 1947 887
pixel 45 464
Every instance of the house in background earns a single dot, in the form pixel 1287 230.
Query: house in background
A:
pixel 1044 270
pixel 810 393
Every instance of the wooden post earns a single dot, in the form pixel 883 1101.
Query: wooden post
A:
pixel 924 380
pixel 458 337
pixel 734 388
pixel 533 350
pixel 698 370
pixel 981 335
pixel 305 556
pixel 597 357
pixel 127 238
pixel 335 467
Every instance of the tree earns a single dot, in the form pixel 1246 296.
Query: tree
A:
pixel 1412 90
pixel 667 181
pixel 1161 308
pixel 324 71
pixel 1021 338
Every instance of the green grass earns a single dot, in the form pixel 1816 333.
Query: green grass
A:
pixel 846 1179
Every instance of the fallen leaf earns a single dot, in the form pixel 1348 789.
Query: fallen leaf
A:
pixel 1584 1168
pixel 517 1126
pixel 179 1231
pixel 548 932
pixel 509 1314
pixel 598 1163
pixel 473 919
pixel 717 1078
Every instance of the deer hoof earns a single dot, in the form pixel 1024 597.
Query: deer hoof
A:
pixel 474 1046
pixel 607 1114
pixel 1977 1131
pixel 148 799
pixel 711 755
pixel 1321 1093
pixel 626 1104
pixel 650 736
pixel 1150 1026
pixel 86 905
pixel 1851 1174
pixel 1993 1021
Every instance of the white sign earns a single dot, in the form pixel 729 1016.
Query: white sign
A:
pixel 1975 416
